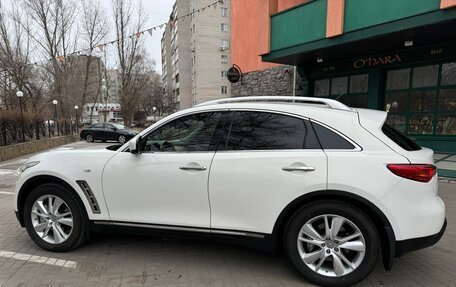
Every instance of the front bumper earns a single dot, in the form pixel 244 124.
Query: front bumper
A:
pixel 406 246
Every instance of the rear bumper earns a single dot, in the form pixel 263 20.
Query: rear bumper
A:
pixel 406 246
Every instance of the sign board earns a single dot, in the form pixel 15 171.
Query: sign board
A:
pixel 234 74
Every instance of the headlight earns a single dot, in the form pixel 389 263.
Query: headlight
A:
pixel 26 166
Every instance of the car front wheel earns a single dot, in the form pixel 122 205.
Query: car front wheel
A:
pixel 89 138
pixel 332 243
pixel 122 139
pixel 54 218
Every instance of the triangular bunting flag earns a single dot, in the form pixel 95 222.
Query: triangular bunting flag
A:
pixel 150 32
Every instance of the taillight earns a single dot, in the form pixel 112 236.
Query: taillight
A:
pixel 417 172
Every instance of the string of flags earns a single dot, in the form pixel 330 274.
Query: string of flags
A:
pixel 172 22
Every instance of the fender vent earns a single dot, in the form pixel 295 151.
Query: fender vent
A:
pixel 89 195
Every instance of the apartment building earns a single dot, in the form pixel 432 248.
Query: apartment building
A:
pixel 195 51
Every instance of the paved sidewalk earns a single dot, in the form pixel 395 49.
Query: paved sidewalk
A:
pixel 446 164
pixel 131 260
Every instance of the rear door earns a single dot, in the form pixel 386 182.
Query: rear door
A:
pixel 269 160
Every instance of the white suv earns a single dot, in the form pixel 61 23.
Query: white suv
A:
pixel 330 185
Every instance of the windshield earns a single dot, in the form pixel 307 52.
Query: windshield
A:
pixel 119 126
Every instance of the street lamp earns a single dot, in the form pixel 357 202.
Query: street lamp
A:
pixel 54 102
pixel 20 94
pixel 77 122
pixel 154 109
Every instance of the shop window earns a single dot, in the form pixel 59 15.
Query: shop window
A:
pixel 351 90
pixel 421 124
pixel 396 102
pixel 339 86
pixel 425 76
pixel 322 88
pixel 448 75
pixel 422 101
pixel 426 107
pixel 398 79
pixel 446 125
pixel 447 100
pixel 359 83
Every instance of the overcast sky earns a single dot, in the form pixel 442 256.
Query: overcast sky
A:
pixel 157 11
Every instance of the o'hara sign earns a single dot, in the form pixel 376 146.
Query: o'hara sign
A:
pixel 376 61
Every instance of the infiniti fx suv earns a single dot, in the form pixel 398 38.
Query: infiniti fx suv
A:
pixel 333 187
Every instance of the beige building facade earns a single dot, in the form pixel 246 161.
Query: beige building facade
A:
pixel 195 52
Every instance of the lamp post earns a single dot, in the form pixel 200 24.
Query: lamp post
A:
pixel 54 102
pixel 154 109
pixel 104 96
pixel 77 122
pixel 20 94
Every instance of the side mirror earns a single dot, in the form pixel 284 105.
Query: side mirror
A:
pixel 134 145
pixel 114 128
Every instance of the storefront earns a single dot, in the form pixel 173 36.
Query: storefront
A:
pixel 406 67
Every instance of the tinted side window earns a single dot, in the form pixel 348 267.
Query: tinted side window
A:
pixel 329 139
pixel 97 126
pixel 189 133
pixel 267 131
pixel 399 138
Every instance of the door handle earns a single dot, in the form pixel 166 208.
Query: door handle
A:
pixel 299 168
pixel 193 167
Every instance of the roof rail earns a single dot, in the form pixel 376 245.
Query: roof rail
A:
pixel 333 104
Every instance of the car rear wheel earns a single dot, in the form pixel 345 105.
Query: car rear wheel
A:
pixel 332 243
pixel 89 138
pixel 122 139
pixel 54 218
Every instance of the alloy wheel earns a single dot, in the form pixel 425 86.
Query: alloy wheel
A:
pixel 89 138
pixel 331 245
pixel 122 139
pixel 52 219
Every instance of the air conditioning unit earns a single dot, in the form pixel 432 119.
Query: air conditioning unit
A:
pixel 222 48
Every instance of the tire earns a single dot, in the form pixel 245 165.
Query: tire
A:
pixel 89 138
pixel 122 139
pixel 50 237
pixel 323 251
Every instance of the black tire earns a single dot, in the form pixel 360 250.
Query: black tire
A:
pixel 353 214
pixel 122 139
pixel 89 138
pixel 80 230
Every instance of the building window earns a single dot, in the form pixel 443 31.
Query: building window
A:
pixel 224 12
pixel 224 59
pixel 225 44
pixel 224 27
pixel 223 74
pixel 177 78
pixel 224 90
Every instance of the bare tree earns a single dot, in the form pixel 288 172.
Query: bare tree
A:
pixel 18 72
pixel 52 29
pixel 131 56
pixel 94 30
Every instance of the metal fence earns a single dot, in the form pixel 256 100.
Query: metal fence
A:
pixel 15 132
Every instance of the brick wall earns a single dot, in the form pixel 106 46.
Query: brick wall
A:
pixel 276 81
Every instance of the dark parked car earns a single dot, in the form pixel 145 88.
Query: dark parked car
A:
pixel 107 131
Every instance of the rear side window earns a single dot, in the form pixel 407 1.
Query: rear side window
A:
pixel 399 138
pixel 329 139
pixel 268 131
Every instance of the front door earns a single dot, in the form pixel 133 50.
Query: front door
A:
pixel 167 183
